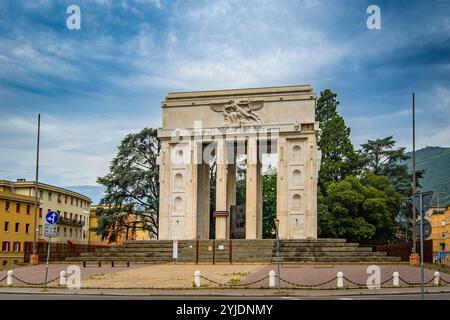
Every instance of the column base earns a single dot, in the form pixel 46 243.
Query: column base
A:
pixel 414 259
pixel 34 259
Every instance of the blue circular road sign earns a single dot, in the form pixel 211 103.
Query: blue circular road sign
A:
pixel 52 217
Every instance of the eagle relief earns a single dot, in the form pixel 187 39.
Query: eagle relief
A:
pixel 239 113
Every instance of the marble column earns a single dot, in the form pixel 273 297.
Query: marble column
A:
pixel 164 181
pixel 221 214
pixel 251 195
pixel 282 188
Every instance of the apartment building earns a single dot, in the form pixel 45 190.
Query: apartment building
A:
pixel 73 210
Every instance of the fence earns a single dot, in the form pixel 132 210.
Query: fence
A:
pixel 404 250
pixel 58 251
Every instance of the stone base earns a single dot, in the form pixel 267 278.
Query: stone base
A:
pixel 34 259
pixel 414 259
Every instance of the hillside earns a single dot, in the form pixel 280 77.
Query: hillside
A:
pixel 436 163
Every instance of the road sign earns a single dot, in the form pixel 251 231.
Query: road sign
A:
pixel 51 217
pixel 50 230
pixel 426 199
pixel 426 228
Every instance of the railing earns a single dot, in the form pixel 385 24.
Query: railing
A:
pixel 70 222
pixel 59 251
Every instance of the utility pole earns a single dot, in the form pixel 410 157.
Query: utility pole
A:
pixel 414 170
pixel 34 259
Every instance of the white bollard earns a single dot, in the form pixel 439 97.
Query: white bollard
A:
pixel 197 276
pixel 63 278
pixel 272 278
pixel 340 280
pixel 396 279
pixel 437 278
pixel 9 278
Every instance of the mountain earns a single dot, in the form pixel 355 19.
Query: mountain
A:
pixel 93 192
pixel 436 163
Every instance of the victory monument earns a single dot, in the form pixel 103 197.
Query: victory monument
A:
pixel 220 125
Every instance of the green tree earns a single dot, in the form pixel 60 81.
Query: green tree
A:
pixel 131 187
pixel 382 157
pixel 269 203
pixel 339 158
pixel 360 208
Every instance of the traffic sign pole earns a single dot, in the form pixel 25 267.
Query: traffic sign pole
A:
pixel 46 264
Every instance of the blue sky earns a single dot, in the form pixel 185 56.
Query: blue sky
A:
pixel 94 85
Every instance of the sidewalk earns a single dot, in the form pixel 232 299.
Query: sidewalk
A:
pixel 222 292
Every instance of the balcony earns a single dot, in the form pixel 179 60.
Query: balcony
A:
pixel 70 222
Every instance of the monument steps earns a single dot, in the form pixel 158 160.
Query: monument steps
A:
pixel 242 251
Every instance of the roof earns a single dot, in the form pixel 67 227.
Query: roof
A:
pixel 44 186
pixel 298 91
pixel 16 197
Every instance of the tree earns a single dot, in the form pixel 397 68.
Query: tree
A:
pixel 131 187
pixel 360 208
pixel 339 158
pixel 381 157
pixel 269 202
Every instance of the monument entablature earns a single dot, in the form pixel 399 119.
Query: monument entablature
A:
pixel 224 124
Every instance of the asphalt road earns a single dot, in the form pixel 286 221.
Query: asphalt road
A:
pixel 415 296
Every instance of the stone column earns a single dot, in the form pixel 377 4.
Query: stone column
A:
pixel 164 180
pixel 259 210
pixel 221 214
pixel 251 195
pixel 191 192
pixel 282 188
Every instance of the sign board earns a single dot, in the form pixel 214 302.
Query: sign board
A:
pixel 175 249
pixel 51 217
pixel 425 197
pixel 50 230
pixel 426 228
pixel 221 247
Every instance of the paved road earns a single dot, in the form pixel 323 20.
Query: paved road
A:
pixel 429 296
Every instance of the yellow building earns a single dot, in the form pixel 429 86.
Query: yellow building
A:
pixel 440 222
pixel 16 223
pixel 131 233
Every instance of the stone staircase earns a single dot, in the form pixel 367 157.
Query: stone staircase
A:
pixel 236 251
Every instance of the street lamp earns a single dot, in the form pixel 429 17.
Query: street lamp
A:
pixel 277 224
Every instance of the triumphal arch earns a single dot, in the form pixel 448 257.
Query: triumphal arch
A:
pixel 202 136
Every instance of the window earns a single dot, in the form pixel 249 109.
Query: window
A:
pixel 71 216
pixel 76 203
pixel 71 201
pixel 84 234
pixel 59 198
pixel 17 207
pixel 65 199
pixel 41 194
pixel 40 230
pixel 28 209
pixel 76 233
pixel 16 246
pixel 17 228
pixel 70 232
pixel 65 215
pixel 65 232
pixel 6 226
pixel 76 217
pixel 7 206
pixel 27 228
pixel 50 196
pixel 59 213
pixel 5 246
pixel 40 212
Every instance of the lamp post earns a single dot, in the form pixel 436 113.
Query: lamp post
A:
pixel 277 223
pixel 34 258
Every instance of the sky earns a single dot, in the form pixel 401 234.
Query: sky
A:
pixel 95 85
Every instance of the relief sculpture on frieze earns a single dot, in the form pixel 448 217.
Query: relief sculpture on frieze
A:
pixel 239 113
